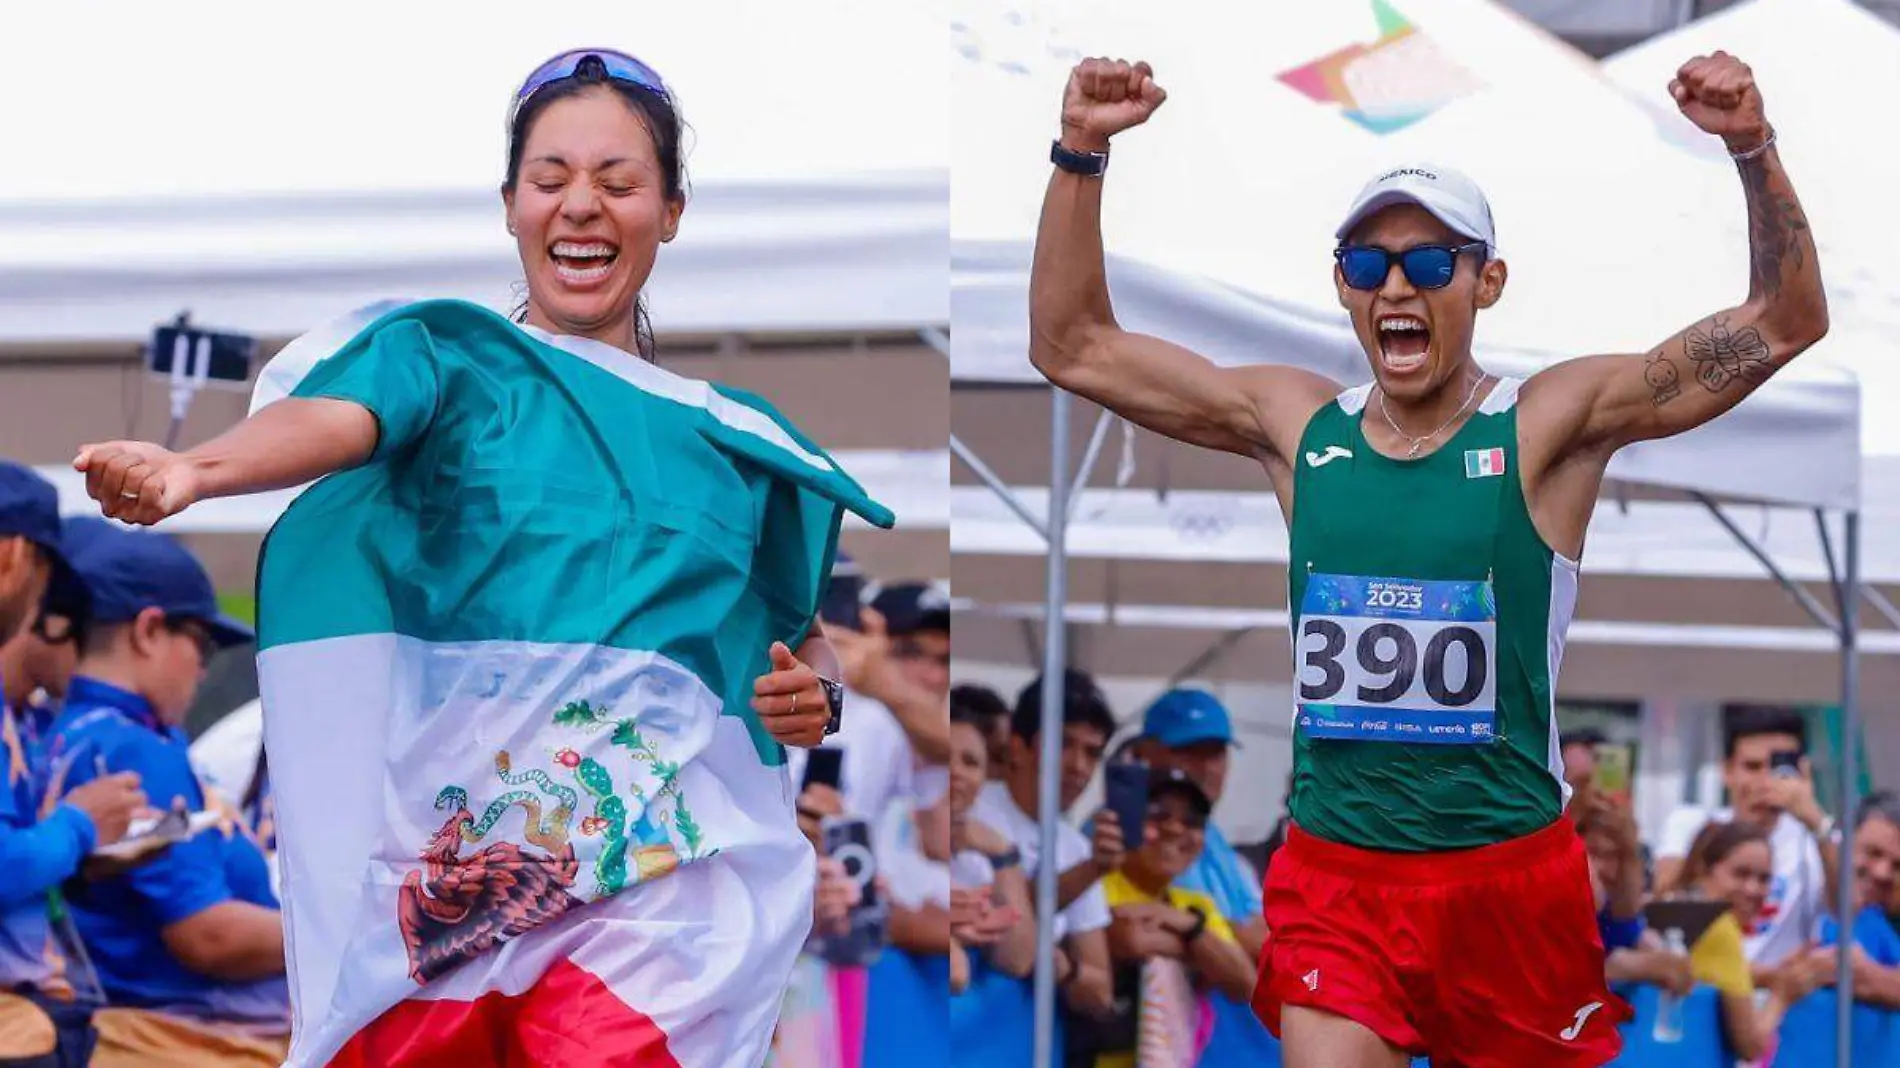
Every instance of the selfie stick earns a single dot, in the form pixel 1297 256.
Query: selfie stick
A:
pixel 191 365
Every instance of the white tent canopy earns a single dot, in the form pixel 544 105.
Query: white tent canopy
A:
pixel 1234 189
pixel 271 169
pixel 1829 71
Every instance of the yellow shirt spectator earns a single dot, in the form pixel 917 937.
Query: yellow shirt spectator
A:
pixel 1122 892
pixel 1717 958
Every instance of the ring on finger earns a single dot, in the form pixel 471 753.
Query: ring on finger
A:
pixel 794 702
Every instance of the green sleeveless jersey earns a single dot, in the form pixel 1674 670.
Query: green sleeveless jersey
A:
pixel 1428 623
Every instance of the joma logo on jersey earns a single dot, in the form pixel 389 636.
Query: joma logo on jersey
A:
pixel 1321 459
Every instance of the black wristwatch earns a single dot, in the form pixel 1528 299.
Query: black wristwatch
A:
pixel 1200 925
pixel 834 697
pixel 1086 164
pixel 1006 861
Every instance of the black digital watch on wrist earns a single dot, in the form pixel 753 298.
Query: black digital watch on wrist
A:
pixel 1086 164
pixel 834 697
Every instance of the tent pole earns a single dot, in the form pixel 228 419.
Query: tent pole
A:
pixel 1049 766
pixel 1881 604
pixel 1087 467
pixel 1800 594
pixel 1032 648
pixel 1850 735
pixel 1000 488
pixel 1833 572
pixel 1209 655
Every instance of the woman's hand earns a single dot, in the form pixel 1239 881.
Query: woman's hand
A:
pixel 975 920
pixel 832 904
pixel 1803 973
pixel 935 830
pixel 790 701
pixel 1138 932
pixel 136 481
pixel 981 837
pixel 815 804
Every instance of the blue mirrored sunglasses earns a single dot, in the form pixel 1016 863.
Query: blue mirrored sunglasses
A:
pixel 1425 266
pixel 618 65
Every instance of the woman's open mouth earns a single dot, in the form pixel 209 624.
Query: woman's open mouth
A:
pixel 580 263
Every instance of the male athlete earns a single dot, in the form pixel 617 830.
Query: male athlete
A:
pixel 1430 898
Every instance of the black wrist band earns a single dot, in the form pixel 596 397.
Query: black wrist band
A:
pixel 1200 925
pixel 1086 164
pixel 834 696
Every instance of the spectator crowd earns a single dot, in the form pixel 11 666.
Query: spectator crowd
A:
pixel 139 912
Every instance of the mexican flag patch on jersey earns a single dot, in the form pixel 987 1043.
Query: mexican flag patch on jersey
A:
pixel 1484 463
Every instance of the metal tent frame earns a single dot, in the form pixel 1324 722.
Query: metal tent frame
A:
pixel 1843 623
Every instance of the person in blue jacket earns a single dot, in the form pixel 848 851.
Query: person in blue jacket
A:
pixel 45 1017
pixel 1875 942
pixel 195 935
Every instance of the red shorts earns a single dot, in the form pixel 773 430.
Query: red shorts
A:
pixel 1482 958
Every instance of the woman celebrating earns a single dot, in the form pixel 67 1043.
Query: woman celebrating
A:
pixel 529 649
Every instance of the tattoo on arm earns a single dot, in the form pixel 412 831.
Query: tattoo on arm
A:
pixel 1775 224
pixel 1664 381
pixel 1723 356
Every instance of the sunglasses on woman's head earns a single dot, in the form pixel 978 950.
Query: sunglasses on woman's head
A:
pixel 1425 266
pixel 618 65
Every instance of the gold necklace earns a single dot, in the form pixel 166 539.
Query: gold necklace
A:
pixel 1419 443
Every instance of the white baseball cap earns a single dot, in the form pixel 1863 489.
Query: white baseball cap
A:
pixel 1452 198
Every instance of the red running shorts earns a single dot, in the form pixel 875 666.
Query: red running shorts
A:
pixel 1481 958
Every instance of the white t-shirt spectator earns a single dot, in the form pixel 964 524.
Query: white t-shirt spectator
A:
pixel 915 880
pixel 995 808
pixel 878 759
pixel 1797 897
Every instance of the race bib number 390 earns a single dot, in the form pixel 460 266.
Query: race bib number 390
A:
pixel 1397 660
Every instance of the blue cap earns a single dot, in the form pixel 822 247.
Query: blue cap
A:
pixel 29 508
pixel 75 535
pixel 128 571
pixel 1184 717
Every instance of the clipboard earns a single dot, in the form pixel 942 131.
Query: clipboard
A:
pixel 153 832
pixel 1692 916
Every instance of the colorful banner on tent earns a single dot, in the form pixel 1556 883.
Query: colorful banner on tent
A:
pixel 1385 86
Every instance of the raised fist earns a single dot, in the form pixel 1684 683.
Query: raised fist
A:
pixel 1718 94
pixel 1105 97
pixel 136 481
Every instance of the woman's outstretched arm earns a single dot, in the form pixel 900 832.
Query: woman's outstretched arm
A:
pixel 288 443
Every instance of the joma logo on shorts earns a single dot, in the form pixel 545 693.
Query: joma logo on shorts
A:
pixel 1569 1034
